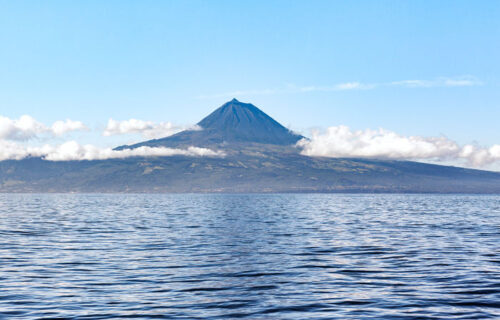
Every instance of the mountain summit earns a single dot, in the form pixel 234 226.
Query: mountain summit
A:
pixel 233 122
pixel 243 122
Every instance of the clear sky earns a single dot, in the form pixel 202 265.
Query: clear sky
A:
pixel 423 68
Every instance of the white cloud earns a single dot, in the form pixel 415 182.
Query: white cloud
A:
pixel 15 134
pixel 341 141
pixel 349 86
pixel 12 151
pixel 147 129
pixel 478 156
pixel 72 150
pixel 61 127
pixel 26 127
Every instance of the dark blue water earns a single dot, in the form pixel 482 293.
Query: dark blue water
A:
pixel 249 256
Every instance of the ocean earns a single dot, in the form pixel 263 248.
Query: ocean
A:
pixel 250 256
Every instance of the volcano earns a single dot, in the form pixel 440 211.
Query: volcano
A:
pixel 234 123
pixel 260 155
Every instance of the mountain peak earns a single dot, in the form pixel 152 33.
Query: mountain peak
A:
pixel 244 122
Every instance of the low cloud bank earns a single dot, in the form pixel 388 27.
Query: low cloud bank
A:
pixel 16 133
pixel 26 127
pixel 341 141
pixel 148 129
pixel 74 151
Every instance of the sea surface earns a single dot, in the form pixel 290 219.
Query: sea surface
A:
pixel 282 256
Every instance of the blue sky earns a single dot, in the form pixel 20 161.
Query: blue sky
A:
pixel 423 68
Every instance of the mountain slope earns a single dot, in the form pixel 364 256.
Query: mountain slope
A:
pixel 233 123
pixel 271 172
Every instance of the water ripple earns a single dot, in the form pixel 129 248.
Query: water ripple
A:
pixel 249 256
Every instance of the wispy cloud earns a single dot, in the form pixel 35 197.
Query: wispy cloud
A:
pixel 341 141
pixel 337 87
pixel 72 150
pixel 148 129
pixel 291 88
pixel 461 81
